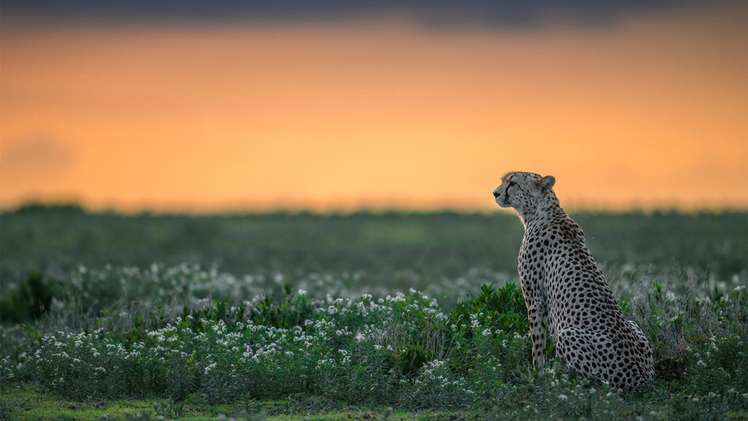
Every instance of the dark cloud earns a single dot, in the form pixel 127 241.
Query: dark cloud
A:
pixel 496 13
pixel 35 155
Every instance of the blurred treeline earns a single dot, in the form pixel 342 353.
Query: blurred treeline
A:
pixel 55 238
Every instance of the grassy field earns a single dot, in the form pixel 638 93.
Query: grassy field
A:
pixel 391 316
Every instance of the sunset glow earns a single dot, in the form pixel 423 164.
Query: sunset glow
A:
pixel 649 112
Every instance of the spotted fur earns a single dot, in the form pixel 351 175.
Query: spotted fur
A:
pixel 565 289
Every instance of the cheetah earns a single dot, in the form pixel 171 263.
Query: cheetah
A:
pixel 566 292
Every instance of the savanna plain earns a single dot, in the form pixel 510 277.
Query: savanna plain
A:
pixel 366 315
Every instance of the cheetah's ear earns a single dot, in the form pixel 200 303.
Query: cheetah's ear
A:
pixel 547 182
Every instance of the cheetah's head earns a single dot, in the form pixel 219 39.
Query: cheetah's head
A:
pixel 524 191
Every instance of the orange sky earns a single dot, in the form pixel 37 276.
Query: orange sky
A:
pixel 650 112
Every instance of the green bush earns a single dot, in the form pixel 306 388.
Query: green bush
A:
pixel 503 309
pixel 288 311
pixel 410 359
pixel 29 301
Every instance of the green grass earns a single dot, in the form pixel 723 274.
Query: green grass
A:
pixel 301 315
pixel 32 403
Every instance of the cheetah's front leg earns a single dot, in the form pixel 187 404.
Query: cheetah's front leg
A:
pixel 535 317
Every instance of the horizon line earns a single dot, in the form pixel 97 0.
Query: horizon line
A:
pixel 350 206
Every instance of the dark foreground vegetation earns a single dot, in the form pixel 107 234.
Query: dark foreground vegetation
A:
pixel 366 315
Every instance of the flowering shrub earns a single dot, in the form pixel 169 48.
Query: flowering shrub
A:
pixel 403 348
pixel 217 351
